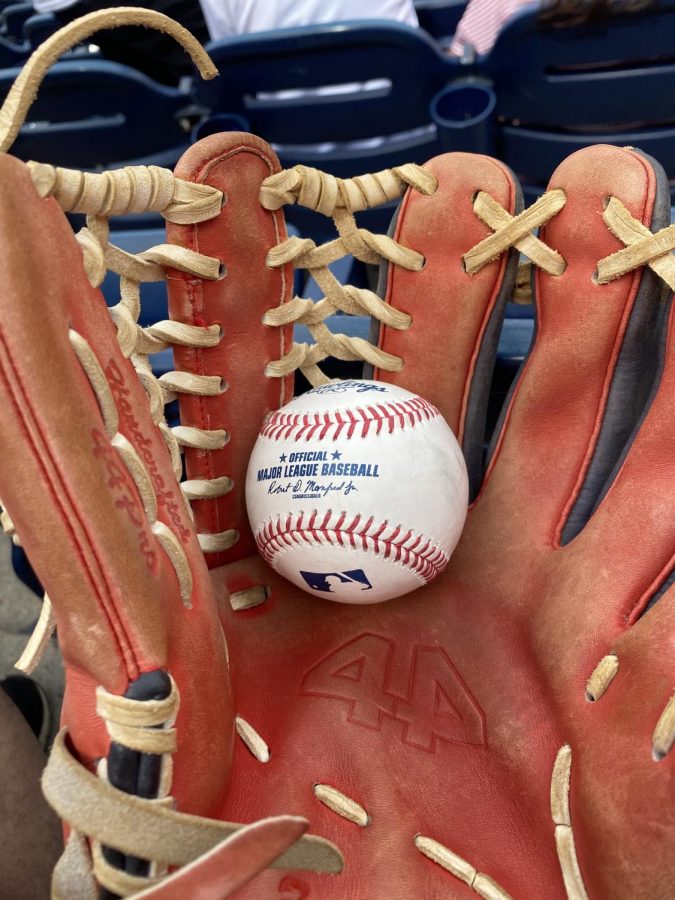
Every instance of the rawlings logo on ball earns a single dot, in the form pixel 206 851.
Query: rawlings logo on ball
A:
pixel 340 484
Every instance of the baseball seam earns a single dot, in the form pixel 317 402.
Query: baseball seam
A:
pixel 359 422
pixel 406 548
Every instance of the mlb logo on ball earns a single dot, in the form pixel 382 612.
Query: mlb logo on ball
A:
pixel 324 581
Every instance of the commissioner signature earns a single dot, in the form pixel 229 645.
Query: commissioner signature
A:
pixel 309 489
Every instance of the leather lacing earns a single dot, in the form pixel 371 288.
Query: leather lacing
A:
pixel 117 192
pixel 144 828
pixel 339 199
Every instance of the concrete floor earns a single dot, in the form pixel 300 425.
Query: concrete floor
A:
pixel 19 610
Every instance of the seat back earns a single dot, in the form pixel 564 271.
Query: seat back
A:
pixel 13 53
pixel 288 87
pixel 94 113
pixel 562 88
pixel 38 27
pixel 440 18
pixel 12 18
pixel 287 83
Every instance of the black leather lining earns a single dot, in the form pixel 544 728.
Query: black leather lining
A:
pixel 635 380
pixel 134 772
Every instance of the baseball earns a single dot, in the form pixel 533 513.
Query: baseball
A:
pixel 357 491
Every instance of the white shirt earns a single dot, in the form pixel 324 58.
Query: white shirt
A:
pixel 226 18
pixel 47 6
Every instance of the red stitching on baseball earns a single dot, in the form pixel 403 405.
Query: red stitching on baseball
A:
pixel 330 425
pixel 427 561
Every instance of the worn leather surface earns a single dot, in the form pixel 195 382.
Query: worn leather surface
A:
pixel 442 712
pixel 240 237
pixel 77 511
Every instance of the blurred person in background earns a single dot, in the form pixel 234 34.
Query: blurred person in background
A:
pixel 31 833
pixel 161 58
pixel 149 51
pixel 483 19
pixel 226 18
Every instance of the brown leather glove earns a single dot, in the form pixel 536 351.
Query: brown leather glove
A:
pixel 505 731
pixel 92 493
pixel 445 741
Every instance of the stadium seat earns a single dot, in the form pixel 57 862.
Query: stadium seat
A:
pixel 558 89
pixel 288 86
pixel 12 53
pixel 12 18
pixel 91 114
pixel 439 18
pixel 37 28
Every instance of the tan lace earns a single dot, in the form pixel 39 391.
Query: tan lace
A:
pixel 516 231
pixel 149 829
pixel 339 199
pixel 19 99
pixel 564 835
pixel 642 247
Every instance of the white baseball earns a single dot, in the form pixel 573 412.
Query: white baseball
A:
pixel 357 491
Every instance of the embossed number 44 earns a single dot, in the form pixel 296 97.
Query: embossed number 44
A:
pixel 437 705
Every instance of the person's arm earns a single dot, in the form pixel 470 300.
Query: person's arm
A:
pixel 481 23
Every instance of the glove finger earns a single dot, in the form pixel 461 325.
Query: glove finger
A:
pixel 580 391
pixel 449 350
pixel 241 237
pixel 633 522
pixel 95 502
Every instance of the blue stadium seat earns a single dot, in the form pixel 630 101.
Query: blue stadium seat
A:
pixel 271 81
pixel 91 114
pixel 13 53
pixel 558 89
pixel 439 18
pixel 12 18
pixel 38 27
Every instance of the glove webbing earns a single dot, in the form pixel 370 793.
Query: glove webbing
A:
pixel 341 199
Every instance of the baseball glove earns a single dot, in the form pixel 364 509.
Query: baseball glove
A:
pixel 94 497
pixel 506 730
